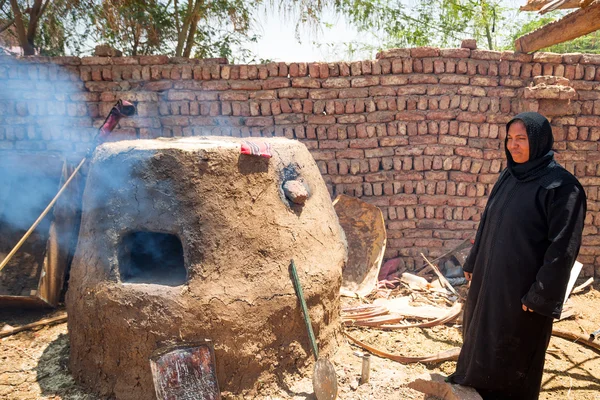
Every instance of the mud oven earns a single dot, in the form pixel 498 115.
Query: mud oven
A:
pixel 187 239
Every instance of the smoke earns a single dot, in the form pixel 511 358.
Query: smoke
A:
pixel 44 121
pixel 48 120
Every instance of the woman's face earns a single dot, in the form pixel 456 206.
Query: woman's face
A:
pixel 517 142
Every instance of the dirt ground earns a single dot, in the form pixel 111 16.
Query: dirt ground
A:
pixel 33 364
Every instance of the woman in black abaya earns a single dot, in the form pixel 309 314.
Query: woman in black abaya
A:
pixel 519 267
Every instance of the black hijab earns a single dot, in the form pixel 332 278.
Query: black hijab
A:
pixel 541 156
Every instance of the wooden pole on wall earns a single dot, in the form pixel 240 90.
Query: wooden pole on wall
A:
pixel 571 26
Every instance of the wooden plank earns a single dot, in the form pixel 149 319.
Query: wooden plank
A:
pixel 571 26
pixel 535 5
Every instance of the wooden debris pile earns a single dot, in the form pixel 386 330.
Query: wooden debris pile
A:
pixel 415 303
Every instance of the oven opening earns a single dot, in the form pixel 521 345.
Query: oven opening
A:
pixel 152 257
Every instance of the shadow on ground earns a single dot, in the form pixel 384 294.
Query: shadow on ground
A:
pixel 52 373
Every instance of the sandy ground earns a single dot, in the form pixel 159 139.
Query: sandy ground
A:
pixel 33 364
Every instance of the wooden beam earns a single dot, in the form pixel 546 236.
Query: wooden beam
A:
pixel 571 26
pixel 535 5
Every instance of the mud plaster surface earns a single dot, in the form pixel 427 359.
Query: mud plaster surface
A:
pixel 238 234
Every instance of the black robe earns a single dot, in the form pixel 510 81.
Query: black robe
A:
pixel 526 244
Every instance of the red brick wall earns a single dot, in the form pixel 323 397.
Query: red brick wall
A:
pixel 417 132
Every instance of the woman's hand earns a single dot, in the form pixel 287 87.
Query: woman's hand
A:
pixel 468 275
pixel 525 308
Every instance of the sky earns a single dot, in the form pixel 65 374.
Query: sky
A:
pixel 278 41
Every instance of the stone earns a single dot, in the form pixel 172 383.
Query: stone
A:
pixel 435 385
pixel 543 91
pixel 469 44
pixel 105 50
pixel 551 80
pixel 295 191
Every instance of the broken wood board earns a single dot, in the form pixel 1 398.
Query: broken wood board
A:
pixel 390 321
pixel 582 287
pixel 400 306
pixel 364 227
pixel 436 385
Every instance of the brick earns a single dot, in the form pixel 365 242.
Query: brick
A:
pixel 543 57
pixel 471 117
pixel 215 85
pixel 353 93
pixel 484 81
pixel 306 83
pixel 351 119
pixel 381 116
pixel 382 91
pixel 588 121
pixel 321 119
pixel 365 81
pixel 293 93
pixel 153 60
pixel 389 80
pixel 245 85
pixel 420 52
pixel 393 53
pixel 259 121
pixel 393 141
pixel 454 80
pixel 422 79
pixel 590 59
pixel 486 55
pixel 276 83
pixel 455 53
pixel 335 83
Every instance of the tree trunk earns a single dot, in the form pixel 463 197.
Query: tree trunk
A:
pixel 34 17
pixel 192 33
pixel 27 47
pixel 190 25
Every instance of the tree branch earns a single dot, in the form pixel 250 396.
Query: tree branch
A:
pixel 7 25
pixel 177 25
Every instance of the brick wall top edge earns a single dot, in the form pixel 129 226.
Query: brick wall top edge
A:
pixel 416 52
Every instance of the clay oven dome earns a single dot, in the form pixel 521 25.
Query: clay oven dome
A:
pixel 187 239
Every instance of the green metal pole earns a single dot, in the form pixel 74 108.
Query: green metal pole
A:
pixel 300 294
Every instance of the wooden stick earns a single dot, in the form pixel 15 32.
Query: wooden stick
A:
pixel 448 355
pixel 582 286
pixel 42 322
pixel 40 218
pixel 585 341
pixel 418 271
pixel 440 275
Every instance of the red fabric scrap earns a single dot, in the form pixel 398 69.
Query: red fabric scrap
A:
pixel 261 149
